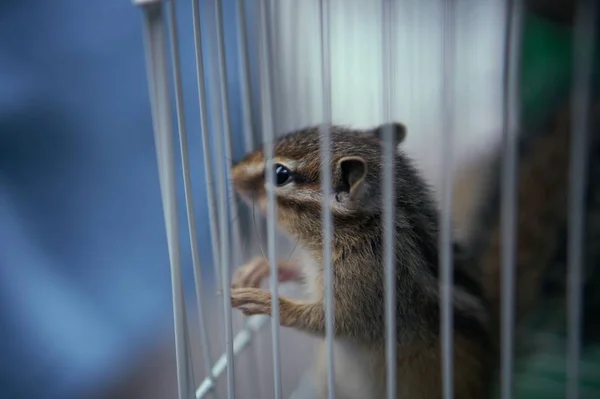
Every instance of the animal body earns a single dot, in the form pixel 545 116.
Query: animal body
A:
pixel 358 272
pixel 541 229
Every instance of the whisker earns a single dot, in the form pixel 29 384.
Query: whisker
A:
pixel 228 199
pixel 293 250
pixel 244 244
pixel 228 179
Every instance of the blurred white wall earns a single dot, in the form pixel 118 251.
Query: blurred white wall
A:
pixel 356 70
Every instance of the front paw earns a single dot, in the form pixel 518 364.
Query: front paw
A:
pixel 251 274
pixel 251 301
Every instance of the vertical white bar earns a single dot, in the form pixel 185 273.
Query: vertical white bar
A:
pixel 154 40
pixel 244 71
pixel 269 86
pixel 249 140
pixel 445 245
pixel 253 137
pixel 189 201
pixel 389 152
pixel 208 169
pixel 508 211
pixel 221 150
pixel 325 134
pixel 583 53
pixel 222 73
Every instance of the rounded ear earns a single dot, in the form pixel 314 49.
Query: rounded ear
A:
pixel 397 129
pixel 353 171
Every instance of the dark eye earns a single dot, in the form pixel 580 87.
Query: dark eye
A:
pixel 283 175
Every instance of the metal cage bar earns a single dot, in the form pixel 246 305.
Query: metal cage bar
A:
pixel 253 324
pixel 269 87
pixel 187 184
pixel 240 342
pixel 583 53
pixel 244 76
pixel 206 156
pixel 226 121
pixel 508 210
pixel 445 238
pixel 249 133
pixel 221 144
pixel 156 56
pixel 327 227
pixel 389 227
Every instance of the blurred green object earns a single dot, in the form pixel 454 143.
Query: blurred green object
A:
pixel 546 56
pixel 546 77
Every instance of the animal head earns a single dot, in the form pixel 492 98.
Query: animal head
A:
pixel 356 169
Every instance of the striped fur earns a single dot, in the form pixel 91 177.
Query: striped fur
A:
pixel 358 267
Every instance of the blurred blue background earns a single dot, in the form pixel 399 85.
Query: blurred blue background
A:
pixel 84 273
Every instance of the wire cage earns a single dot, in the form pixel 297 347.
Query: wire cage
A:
pixel 358 63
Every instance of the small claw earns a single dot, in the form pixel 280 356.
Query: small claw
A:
pixel 251 309
pixel 251 301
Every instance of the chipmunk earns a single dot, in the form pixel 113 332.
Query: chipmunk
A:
pixel 358 270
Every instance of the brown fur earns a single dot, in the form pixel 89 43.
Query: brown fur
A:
pixel 358 272
pixel 542 217
pixel 537 229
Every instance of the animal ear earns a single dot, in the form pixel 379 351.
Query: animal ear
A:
pixel 353 171
pixel 397 129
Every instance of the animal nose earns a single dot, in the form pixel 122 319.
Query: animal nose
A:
pixel 236 174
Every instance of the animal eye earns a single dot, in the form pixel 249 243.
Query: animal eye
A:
pixel 283 175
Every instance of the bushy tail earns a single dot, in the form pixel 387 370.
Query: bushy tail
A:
pixel 542 220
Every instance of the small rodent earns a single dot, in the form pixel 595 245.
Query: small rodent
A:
pixel 358 271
